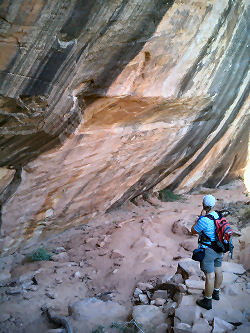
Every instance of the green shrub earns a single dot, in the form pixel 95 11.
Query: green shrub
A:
pixel 167 195
pixel 40 255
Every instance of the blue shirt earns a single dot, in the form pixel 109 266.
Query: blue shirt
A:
pixel 206 225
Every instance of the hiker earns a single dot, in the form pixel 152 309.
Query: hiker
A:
pixel 212 262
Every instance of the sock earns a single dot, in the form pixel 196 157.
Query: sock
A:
pixel 217 289
pixel 208 297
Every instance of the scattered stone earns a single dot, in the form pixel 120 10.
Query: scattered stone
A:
pixel 221 326
pixel 143 298
pixel 57 330
pixel 145 286
pixel 115 271
pixel 166 278
pixel 60 257
pixel 77 274
pixel 137 292
pixel 177 278
pixel 58 281
pixel 4 317
pixel 160 301
pixel 32 287
pixel 14 291
pixel 169 308
pixel 194 284
pixel 115 254
pixel 59 249
pixel 26 296
pixel 160 294
pixel 5 276
pixel 150 316
pixel 152 302
pixel 232 267
pixel 50 294
pixel 93 312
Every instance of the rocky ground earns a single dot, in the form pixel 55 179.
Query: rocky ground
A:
pixel 130 267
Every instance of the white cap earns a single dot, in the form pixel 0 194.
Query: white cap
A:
pixel 209 200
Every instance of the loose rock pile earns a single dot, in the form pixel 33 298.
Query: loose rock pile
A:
pixel 169 304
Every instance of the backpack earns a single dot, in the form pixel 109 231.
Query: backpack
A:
pixel 223 233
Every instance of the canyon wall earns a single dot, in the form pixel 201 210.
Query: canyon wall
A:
pixel 104 100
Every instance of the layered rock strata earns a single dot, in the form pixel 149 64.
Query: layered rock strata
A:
pixel 79 145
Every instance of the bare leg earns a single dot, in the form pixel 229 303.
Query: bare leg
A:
pixel 218 277
pixel 209 284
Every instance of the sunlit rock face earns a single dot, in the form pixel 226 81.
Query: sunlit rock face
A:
pixel 104 100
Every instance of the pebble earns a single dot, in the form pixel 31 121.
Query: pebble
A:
pixel 143 298
pixel 50 294
pixel 58 281
pixel 160 301
pixel 14 291
pixel 137 292
pixel 77 274
pixel 115 271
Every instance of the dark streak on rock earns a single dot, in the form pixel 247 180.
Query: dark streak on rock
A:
pixel 10 190
pixel 187 80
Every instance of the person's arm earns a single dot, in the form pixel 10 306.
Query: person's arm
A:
pixel 197 225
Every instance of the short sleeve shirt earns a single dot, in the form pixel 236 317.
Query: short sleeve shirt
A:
pixel 206 225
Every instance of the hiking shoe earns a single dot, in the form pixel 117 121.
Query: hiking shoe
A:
pixel 216 295
pixel 205 303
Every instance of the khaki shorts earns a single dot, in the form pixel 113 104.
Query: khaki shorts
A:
pixel 212 259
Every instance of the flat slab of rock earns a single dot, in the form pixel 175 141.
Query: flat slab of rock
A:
pixel 188 314
pixel 229 278
pixel 150 316
pixel 194 284
pixel 221 326
pixel 201 325
pixel 93 312
pixel 232 267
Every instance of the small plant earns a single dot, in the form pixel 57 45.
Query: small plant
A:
pixel 167 195
pixel 40 255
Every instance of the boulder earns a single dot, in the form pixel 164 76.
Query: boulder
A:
pixel 160 294
pixel 188 314
pixel 221 326
pixel 189 244
pixel 177 278
pixel 149 316
pixel 232 267
pixel 189 267
pixel 93 312
pixel 181 227
pixel 194 284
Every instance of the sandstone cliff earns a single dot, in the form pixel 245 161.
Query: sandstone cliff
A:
pixel 104 100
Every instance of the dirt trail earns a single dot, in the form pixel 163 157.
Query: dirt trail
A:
pixel 108 257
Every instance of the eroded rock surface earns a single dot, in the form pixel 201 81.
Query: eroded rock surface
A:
pixel 102 101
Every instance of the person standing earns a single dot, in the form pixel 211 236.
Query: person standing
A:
pixel 211 265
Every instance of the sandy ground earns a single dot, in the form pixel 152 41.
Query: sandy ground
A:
pixel 108 257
